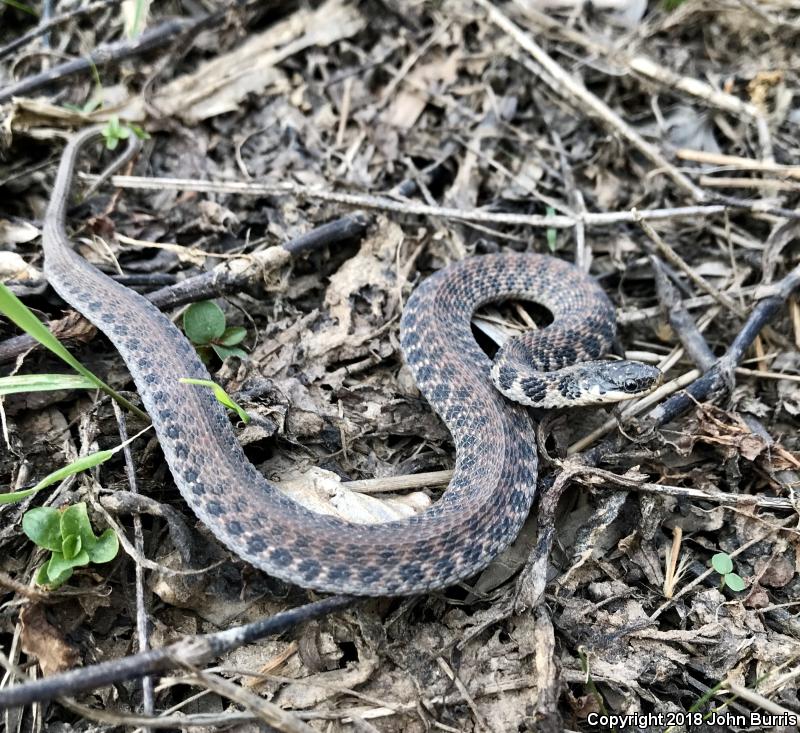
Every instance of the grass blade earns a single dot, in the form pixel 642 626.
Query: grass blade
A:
pixel 14 309
pixel 43 383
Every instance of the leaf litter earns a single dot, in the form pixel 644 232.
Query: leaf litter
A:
pixel 433 103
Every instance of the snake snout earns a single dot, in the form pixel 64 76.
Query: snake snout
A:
pixel 624 380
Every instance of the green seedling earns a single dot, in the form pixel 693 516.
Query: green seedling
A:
pixel 204 325
pixel 68 534
pixel 722 563
pixel 221 395
pixel 114 131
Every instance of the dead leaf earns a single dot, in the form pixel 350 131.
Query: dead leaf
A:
pixel 44 641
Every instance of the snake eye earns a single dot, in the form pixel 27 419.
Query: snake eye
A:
pixel 631 385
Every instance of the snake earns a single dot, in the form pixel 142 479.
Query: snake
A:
pixel 484 403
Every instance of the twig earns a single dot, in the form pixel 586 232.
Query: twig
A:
pixel 728 182
pixel 761 314
pixel 192 651
pixel 142 625
pixel 738 162
pixel 109 53
pixel 47 26
pixel 682 323
pixel 270 713
pixel 675 259
pixel 366 201
pixel 238 274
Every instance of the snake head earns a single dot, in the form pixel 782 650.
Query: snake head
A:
pixel 599 382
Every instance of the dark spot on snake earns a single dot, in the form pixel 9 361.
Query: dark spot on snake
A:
pixel 445 566
pixel 172 432
pixel 94 305
pixel 235 527
pixel 338 573
pixel 215 509
pixel 411 339
pixel 570 355
pixel 410 572
pixel 441 392
pixel 181 450
pixel 280 556
pixel 144 363
pixel 190 475
pixel 505 377
pixel 473 554
pixel 151 378
pixel 309 569
pixel 424 374
pixel 369 575
pixel 159 397
pixel 467 441
pixel 256 545
pixel 120 329
pixel 534 389
pixel 132 344
pixel 199 488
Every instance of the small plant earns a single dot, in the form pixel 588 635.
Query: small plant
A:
pixel 204 325
pixel 722 563
pixel 68 534
pixel 114 131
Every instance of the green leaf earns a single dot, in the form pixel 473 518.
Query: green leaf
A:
pixel 203 322
pixel 81 464
pixel 15 310
pixel 135 21
pixel 59 564
pixel 75 522
pixel 41 574
pixel 42 525
pixel 221 395
pixel 139 131
pixel 90 461
pixel 223 352
pixel 232 336
pixel 20 6
pixel 735 582
pixel 722 563
pixel 22 383
pixel 551 233
pixel 106 548
pixel 71 546
pixel 42 578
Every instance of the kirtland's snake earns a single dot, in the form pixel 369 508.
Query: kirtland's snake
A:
pixel 494 481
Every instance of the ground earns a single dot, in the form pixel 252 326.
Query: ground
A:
pixel 654 144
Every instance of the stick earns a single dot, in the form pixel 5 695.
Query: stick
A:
pixel 192 651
